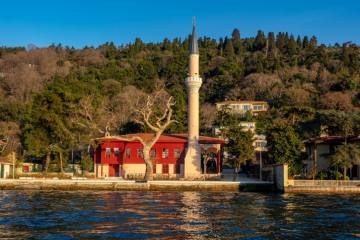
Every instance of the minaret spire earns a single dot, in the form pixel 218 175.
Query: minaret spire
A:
pixel 194 45
pixel 192 162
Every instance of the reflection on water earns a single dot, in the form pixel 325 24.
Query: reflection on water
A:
pixel 177 215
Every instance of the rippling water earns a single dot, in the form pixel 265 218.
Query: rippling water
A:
pixel 177 215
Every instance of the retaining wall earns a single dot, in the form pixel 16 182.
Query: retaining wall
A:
pixel 122 185
pixel 341 186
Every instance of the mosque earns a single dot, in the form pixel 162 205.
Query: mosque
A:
pixel 173 155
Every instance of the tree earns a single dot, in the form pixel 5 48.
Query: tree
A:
pixel 236 35
pixel 305 43
pixel 296 114
pixel 271 44
pixel 340 101
pixel 229 48
pixel 236 41
pixel 238 147
pixel 298 43
pixel 260 41
pixel 151 114
pixel 345 157
pixel 285 146
pixel 9 137
pixel 313 43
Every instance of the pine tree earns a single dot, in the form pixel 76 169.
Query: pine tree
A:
pixel 280 42
pixel 236 41
pixel 292 46
pixel 229 48
pixel 271 43
pixel 305 42
pixel 221 46
pixel 260 41
pixel 236 35
pixel 298 42
pixel 313 43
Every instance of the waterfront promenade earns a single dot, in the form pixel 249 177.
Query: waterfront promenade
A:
pixel 114 184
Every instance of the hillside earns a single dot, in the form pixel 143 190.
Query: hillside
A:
pixel 44 90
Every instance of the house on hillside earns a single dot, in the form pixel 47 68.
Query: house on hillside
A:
pixel 6 167
pixel 243 106
pixel 122 158
pixel 318 151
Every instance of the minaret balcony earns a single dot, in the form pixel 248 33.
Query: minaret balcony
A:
pixel 193 82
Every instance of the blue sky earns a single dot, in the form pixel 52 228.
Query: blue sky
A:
pixel 78 22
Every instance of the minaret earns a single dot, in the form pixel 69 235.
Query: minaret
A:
pixel 192 164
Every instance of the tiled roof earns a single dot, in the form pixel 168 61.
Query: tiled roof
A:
pixel 163 138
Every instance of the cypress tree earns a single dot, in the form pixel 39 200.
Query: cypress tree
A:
pixel 313 42
pixel 271 42
pixel 236 40
pixel 221 46
pixel 292 46
pixel 305 42
pixel 260 41
pixel 281 42
pixel 236 35
pixel 298 42
pixel 229 48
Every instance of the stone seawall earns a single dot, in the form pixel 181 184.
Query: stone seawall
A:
pixel 122 185
pixel 323 186
pixel 321 189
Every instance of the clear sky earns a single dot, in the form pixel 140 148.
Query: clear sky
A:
pixel 92 22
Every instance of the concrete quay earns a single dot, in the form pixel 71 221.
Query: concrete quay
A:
pixel 125 185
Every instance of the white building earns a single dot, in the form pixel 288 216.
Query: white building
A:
pixel 6 168
pixel 243 106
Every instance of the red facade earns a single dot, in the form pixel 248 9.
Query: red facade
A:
pixel 169 149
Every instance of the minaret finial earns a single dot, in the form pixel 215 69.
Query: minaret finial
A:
pixel 194 45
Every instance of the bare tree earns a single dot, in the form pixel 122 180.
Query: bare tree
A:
pixel 151 114
pixel 102 117
pixel 9 137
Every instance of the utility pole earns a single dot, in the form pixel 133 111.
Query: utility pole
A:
pixel 13 157
pixel 260 164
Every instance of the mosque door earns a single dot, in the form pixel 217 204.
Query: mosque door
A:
pixel 113 170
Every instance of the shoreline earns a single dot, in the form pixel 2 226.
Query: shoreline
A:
pixel 130 185
pixel 166 185
pixel 322 189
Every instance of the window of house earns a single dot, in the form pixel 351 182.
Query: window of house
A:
pixel 153 153
pixel 177 153
pixel 108 152
pixel 140 153
pixel 258 107
pixel 246 107
pixel 128 152
pixel 165 153
pixel 117 152
pixel 260 144
pixel 165 168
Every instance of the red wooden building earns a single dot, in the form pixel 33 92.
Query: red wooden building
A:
pixel 123 158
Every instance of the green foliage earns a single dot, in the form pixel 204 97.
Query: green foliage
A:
pixel 43 96
pixel 346 156
pixel 87 163
pixel 285 146
pixel 239 145
pixel 329 175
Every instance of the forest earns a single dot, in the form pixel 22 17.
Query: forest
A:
pixel 58 98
